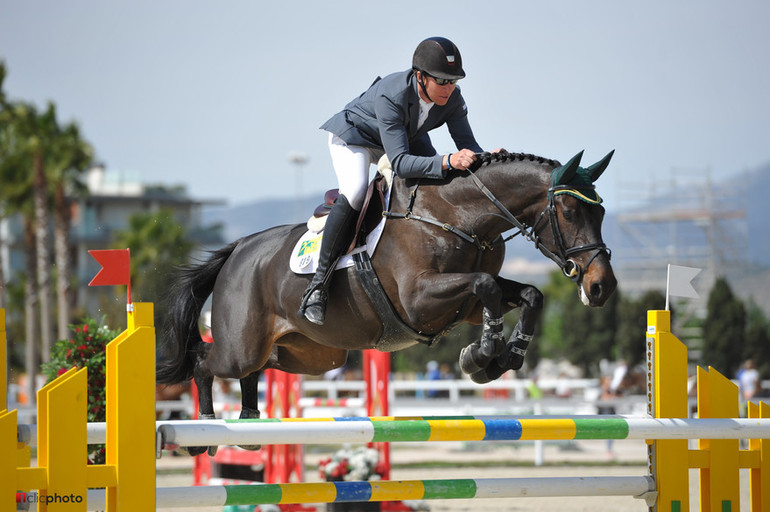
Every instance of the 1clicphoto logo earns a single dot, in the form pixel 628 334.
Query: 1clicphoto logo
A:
pixel 23 497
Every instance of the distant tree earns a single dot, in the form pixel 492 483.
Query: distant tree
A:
pixel 758 339
pixel 557 292
pixel 589 333
pixel 632 326
pixel 158 243
pixel 724 329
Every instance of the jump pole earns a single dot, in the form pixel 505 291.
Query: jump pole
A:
pixel 384 491
pixel 341 430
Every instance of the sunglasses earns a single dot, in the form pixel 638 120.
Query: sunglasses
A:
pixel 442 81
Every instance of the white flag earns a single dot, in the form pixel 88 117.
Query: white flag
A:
pixel 679 284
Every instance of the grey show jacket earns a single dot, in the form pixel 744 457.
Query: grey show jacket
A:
pixel 385 116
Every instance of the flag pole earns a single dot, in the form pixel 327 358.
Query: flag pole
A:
pixel 129 304
pixel 668 283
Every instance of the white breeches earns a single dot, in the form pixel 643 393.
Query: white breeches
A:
pixel 351 164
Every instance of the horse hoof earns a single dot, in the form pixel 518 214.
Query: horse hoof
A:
pixel 212 450
pixel 493 371
pixel 468 364
pixel 248 413
pixel 480 377
pixel 194 450
pixel 515 362
pixel 513 358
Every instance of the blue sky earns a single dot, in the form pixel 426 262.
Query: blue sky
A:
pixel 216 95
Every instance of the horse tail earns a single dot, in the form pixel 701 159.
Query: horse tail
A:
pixel 186 297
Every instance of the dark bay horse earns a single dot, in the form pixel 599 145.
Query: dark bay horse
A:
pixel 438 261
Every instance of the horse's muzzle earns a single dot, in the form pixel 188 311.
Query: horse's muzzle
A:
pixel 598 284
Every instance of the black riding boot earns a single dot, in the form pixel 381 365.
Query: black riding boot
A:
pixel 337 236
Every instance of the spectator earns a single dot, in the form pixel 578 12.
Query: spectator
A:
pixel 618 375
pixel 607 395
pixel 535 393
pixel 433 372
pixel 748 380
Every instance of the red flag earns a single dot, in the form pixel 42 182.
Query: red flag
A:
pixel 116 267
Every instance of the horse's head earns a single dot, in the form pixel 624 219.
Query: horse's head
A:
pixel 574 237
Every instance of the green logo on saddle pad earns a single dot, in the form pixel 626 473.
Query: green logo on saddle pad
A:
pixel 309 246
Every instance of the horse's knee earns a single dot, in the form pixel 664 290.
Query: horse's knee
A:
pixel 485 287
pixel 532 298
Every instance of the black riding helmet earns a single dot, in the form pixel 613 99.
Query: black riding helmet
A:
pixel 440 58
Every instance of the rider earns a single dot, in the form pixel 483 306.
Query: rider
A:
pixel 392 117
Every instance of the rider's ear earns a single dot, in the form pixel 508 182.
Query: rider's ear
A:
pixel 598 168
pixel 564 174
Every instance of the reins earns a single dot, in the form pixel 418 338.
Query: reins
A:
pixel 569 266
pixel 562 257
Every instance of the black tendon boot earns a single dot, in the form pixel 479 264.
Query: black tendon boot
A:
pixel 478 355
pixel 337 236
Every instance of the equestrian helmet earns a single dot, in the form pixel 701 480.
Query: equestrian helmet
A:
pixel 440 58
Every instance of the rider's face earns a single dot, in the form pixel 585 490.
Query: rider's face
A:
pixel 438 93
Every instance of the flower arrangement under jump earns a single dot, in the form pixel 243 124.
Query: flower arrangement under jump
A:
pixel 352 465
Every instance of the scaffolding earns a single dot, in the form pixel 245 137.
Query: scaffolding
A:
pixel 684 221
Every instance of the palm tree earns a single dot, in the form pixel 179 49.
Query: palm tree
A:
pixel 31 137
pixel 69 157
pixel 15 163
pixel 43 129
pixel 3 208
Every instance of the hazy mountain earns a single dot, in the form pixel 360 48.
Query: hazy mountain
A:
pixel 245 219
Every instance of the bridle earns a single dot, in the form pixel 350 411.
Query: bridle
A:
pixel 563 256
pixel 549 215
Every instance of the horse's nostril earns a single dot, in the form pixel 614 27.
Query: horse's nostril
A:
pixel 596 290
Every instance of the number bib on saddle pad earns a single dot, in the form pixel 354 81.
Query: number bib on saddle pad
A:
pixel 304 256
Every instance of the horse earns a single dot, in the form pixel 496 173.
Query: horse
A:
pixel 437 262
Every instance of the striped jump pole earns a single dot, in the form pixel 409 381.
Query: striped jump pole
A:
pixel 388 490
pixel 460 428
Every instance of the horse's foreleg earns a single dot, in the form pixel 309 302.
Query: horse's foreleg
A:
pixel 531 308
pixel 530 300
pixel 250 401
pixel 478 354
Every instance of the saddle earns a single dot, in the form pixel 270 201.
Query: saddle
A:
pixel 396 334
pixel 371 211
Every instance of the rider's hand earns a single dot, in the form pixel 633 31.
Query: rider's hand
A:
pixel 462 159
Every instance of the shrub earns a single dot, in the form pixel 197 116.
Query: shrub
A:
pixel 85 349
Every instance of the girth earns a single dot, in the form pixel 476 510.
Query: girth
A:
pixel 396 335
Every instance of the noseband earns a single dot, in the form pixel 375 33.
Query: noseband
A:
pixel 563 255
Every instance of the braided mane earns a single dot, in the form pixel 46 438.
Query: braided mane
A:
pixel 487 158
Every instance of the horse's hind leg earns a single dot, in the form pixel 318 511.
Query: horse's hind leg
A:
pixel 204 381
pixel 250 401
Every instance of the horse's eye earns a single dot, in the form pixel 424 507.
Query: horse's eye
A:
pixel 568 214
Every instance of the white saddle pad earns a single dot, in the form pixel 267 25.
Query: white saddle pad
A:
pixel 305 255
